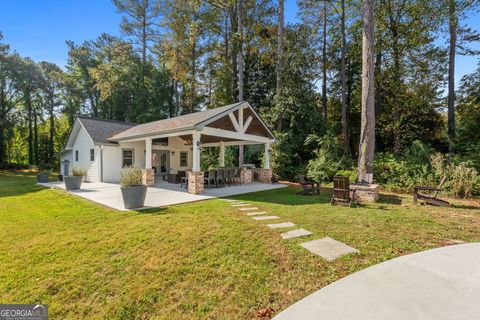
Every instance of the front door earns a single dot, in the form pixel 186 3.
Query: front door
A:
pixel 161 161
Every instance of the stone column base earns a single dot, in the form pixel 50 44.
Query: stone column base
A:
pixel 246 176
pixel 148 177
pixel 365 192
pixel 195 182
pixel 264 175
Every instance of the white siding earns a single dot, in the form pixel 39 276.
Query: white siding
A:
pixel 83 143
pixel 112 159
pixel 177 145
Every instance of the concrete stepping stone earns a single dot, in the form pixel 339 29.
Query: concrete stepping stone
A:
pixel 328 248
pixel 295 233
pixel 256 213
pixel 248 209
pixel 228 200
pixel 266 218
pixel 240 204
pixel 281 225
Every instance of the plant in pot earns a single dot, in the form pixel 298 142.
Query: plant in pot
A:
pixel 74 181
pixel 133 191
pixel 43 175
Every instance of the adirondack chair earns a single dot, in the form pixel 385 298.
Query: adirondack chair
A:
pixel 309 187
pixel 341 191
pixel 430 199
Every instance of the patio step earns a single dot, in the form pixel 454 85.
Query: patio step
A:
pixel 281 225
pixel 256 213
pixel 266 217
pixel 328 248
pixel 295 233
pixel 248 209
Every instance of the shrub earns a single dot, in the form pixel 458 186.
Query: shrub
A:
pixel 330 158
pixel 78 171
pixel 14 166
pixel 131 177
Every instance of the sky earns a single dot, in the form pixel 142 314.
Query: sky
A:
pixel 39 28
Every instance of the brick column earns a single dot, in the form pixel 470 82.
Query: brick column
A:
pixel 148 177
pixel 246 176
pixel 195 182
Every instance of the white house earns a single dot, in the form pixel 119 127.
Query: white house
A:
pixel 103 147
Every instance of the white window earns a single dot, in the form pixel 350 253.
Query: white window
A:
pixel 92 154
pixel 183 159
pixel 127 157
pixel 76 155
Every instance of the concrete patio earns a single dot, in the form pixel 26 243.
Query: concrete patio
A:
pixel 438 284
pixel 159 195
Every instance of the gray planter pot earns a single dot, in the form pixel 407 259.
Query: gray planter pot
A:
pixel 134 197
pixel 73 182
pixel 42 177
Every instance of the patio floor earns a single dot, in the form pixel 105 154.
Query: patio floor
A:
pixel 159 195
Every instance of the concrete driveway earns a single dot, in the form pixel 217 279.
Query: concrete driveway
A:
pixel 159 195
pixel 438 284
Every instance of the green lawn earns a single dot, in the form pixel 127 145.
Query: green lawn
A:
pixel 199 260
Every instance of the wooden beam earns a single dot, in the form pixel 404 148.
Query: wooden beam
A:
pixel 247 124
pixel 235 135
pixel 234 121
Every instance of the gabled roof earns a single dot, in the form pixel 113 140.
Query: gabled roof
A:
pixel 188 121
pixel 101 129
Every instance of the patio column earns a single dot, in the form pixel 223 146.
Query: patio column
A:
pixel 222 154
pixel 240 155
pixel 266 165
pixel 196 151
pixel 148 153
pixel 195 177
pixel 148 177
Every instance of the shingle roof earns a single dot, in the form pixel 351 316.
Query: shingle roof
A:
pixel 101 129
pixel 180 122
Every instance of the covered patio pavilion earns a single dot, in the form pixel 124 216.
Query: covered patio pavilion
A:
pixel 235 124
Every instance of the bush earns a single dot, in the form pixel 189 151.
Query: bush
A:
pixel 14 166
pixel 330 158
pixel 420 167
pixel 78 171
pixel 131 177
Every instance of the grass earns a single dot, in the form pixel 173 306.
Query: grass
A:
pixel 202 260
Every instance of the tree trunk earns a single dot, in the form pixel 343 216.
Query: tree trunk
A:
pixel 367 133
pixel 51 137
pixel 324 63
pixel 345 135
pixel 240 53
pixel 281 24
pixel 35 136
pixel 453 21
pixel 30 129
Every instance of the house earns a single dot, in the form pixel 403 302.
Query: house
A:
pixel 103 147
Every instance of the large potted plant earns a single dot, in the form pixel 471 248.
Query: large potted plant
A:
pixel 74 181
pixel 133 191
pixel 42 176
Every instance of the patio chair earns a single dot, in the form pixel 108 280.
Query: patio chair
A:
pixel 209 181
pixel 308 187
pixel 220 180
pixel 184 180
pixel 430 199
pixel 228 176
pixel 341 191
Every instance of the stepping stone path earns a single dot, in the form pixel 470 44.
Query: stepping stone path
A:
pixel 295 233
pixel 328 248
pixel 281 225
pixel 266 218
pixel 255 213
pixel 248 209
